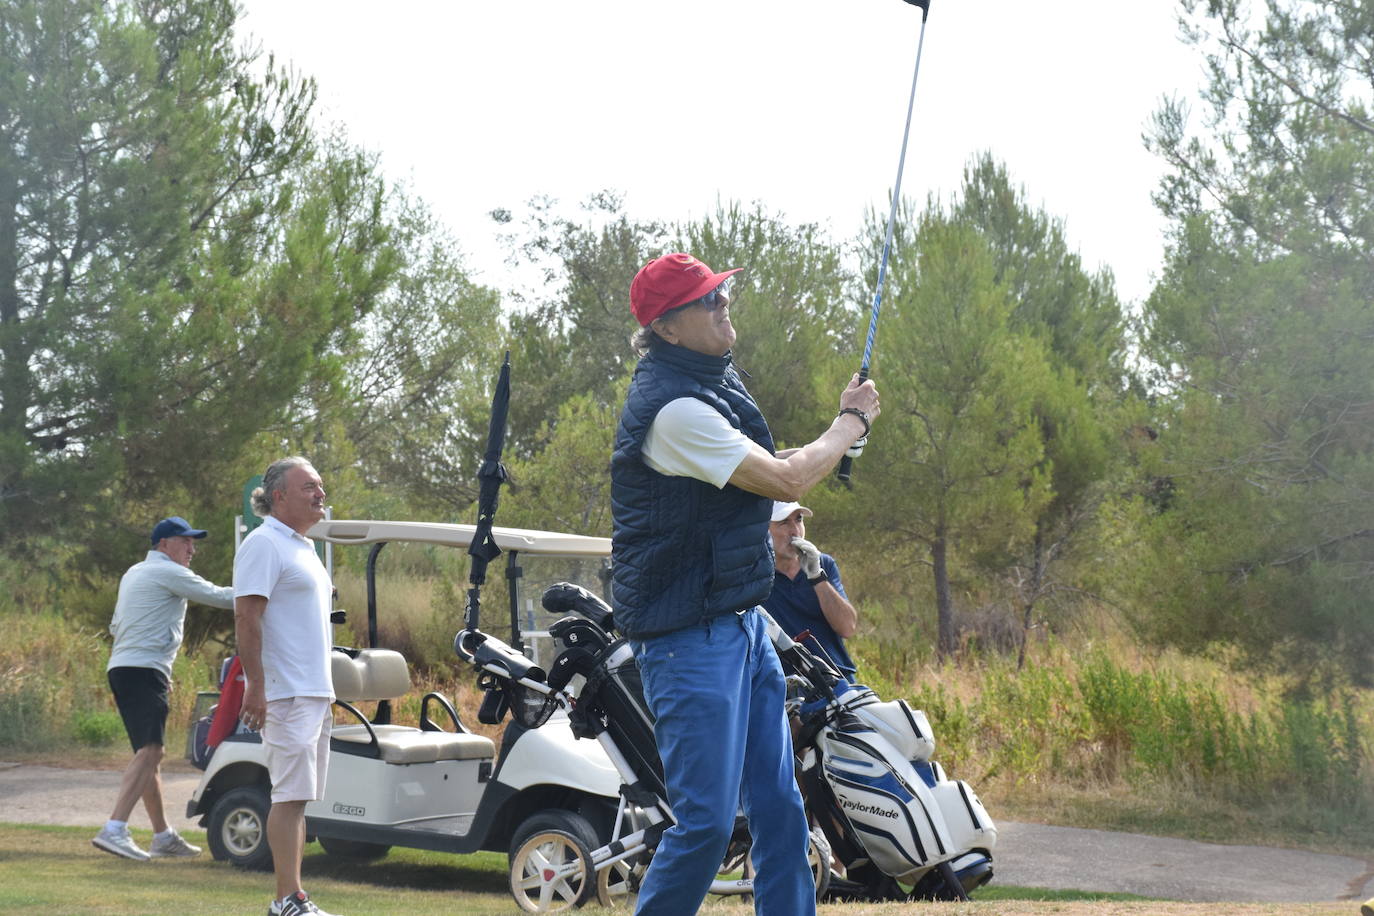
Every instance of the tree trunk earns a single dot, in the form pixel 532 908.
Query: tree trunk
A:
pixel 943 607
pixel 1031 593
pixel 14 357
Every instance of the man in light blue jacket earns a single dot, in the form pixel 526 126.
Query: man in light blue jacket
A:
pixel 147 627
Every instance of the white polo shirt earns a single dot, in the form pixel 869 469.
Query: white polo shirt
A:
pixel 151 611
pixel 689 438
pixel 280 565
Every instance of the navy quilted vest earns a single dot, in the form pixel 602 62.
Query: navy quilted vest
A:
pixel 683 550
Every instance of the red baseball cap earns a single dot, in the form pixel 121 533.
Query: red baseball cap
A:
pixel 672 280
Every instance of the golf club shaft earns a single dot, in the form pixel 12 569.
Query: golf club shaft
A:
pixel 846 463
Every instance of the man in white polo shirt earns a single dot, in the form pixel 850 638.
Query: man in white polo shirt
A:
pixel 281 612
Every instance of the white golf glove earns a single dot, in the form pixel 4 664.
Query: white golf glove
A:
pixel 857 448
pixel 810 557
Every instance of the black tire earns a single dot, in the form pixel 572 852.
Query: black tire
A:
pixel 353 850
pixel 237 828
pixel 557 837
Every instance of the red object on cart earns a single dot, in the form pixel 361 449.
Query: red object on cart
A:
pixel 230 702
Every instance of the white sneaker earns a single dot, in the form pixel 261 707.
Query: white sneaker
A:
pixel 173 847
pixel 298 904
pixel 120 844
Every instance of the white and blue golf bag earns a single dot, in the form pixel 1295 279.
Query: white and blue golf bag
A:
pixel 901 829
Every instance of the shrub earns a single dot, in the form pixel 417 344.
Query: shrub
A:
pixel 54 668
pixel 97 728
pixel 1098 717
pixel 24 704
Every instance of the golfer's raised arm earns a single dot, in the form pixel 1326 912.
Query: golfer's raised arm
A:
pixel 788 477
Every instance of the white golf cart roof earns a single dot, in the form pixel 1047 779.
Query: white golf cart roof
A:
pixel 550 543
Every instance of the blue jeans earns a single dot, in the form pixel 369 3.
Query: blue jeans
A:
pixel 716 690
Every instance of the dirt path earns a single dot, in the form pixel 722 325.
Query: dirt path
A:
pixel 1029 855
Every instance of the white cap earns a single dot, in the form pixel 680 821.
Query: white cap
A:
pixel 783 510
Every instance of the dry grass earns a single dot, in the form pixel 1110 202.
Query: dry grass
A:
pixel 64 668
pixel 1026 742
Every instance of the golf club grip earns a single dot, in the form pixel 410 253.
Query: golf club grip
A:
pixel 847 463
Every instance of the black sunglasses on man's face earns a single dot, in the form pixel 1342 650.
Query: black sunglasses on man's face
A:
pixel 713 300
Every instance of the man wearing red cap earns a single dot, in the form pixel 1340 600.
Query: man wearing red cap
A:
pixel 693 480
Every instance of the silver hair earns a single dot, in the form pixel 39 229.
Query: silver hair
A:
pixel 273 480
pixel 646 338
pixel 643 340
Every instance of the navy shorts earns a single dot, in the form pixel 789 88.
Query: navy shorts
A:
pixel 141 695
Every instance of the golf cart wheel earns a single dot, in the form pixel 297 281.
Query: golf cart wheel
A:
pixel 617 885
pixel 551 862
pixel 237 828
pixel 353 850
pixel 818 859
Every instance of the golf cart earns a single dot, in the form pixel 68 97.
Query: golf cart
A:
pixel 437 786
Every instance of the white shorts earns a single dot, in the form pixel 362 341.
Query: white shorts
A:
pixel 296 736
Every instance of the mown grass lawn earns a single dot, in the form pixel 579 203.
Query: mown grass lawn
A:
pixel 56 870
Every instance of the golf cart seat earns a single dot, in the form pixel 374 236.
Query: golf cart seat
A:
pixel 382 674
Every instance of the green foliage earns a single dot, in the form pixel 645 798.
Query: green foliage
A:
pixel 98 727
pixel 572 336
pixel 1261 326
pixel 1098 721
pixel 52 675
pixel 566 486
pixel 24 705
pixel 405 404
pixel 135 181
pixel 789 309
pixel 958 444
pixel 193 282
pixel 1000 365
pixel 1083 409
pixel 1286 161
pixel 894 639
pixel 1266 544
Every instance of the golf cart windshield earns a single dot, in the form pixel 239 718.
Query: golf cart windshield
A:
pixel 533 561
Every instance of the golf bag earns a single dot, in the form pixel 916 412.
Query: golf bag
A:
pixel 610 700
pixel 898 825
pixel 893 818
pixel 611 695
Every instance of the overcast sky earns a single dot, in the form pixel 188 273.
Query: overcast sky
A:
pixel 798 105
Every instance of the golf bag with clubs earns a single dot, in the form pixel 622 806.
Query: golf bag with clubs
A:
pixel 600 670
pixel 594 678
pixel 899 827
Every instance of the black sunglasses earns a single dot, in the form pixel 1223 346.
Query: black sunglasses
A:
pixel 712 300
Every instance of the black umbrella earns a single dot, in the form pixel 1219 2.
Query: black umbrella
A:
pixel 491 475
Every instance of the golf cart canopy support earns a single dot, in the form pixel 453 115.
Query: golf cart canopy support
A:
pixel 513 541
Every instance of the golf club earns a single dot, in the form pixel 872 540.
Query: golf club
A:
pixel 846 463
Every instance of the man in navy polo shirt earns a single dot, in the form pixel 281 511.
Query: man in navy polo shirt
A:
pixel 807 591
